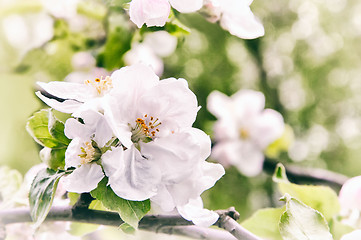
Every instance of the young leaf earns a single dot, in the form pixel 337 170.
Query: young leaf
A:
pixel 264 223
pixel 338 229
pixel 46 130
pixel 300 222
pixel 321 198
pixel 41 194
pixel 131 212
pixel 53 158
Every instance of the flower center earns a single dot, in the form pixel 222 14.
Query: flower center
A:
pixel 101 85
pixel 145 129
pixel 89 153
pixel 243 133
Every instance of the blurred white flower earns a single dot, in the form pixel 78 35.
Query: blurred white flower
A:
pixel 156 12
pixel 352 235
pixel 244 129
pixel 150 52
pixel 234 16
pixel 154 121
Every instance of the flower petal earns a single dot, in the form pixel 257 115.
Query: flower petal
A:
pixel 350 194
pixel 194 211
pixel 220 105
pixel 150 12
pixel 67 90
pixel 72 153
pixel 68 106
pixel 131 176
pixel 186 6
pixel 83 179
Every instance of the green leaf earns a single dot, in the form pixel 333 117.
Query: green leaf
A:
pixel 300 222
pixel 321 198
pixel 131 212
pixel 53 158
pixel 264 223
pixel 41 194
pixel 125 227
pixel 47 130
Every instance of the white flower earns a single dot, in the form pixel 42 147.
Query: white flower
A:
pixel 244 129
pixel 72 97
pixel 352 235
pixel 84 151
pixel 234 16
pixel 154 122
pixel 156 12
pixel 350 194
pixel 150 52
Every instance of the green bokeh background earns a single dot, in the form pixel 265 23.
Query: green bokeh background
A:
pixel 308 66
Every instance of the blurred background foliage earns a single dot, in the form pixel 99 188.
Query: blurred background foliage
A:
pixel 308 65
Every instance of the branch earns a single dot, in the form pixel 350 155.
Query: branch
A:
pixel 155 223
pixel 301 174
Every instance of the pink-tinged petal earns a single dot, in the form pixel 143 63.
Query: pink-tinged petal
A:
pixel 220 105
pixel 83 179
pixel 194 211
pixel 244 155
pixel 240 21
pixel 161 43
pixel 68 106
pixel 150 12
pixel 131 176
pixel 267 127
pixel 66 90
pixel 172 102
pixel 350 194
pixel 186 6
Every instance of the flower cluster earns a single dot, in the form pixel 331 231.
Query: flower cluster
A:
pixel 137 131
pixel 244 129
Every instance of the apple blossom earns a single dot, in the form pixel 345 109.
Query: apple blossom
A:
pixel 154 121
pixel 234 16
pixel 244 129
pixel 84 151
pixel 156 12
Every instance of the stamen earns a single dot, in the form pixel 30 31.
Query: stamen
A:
pixel 101 85
pixel 145 129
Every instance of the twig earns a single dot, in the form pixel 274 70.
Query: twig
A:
pixel 301 174
pixel 227 220
pixel 155 223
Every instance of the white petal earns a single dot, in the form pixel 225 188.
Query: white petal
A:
pixel 210 174
pixel 131 176
pixel 67 90
pixel 103 133
pixel 83 179
pixel 75 129
pixel 172 102
pixel 68 106
pixel 72 153
pixel 186 6
pixel 267 127
pixel 150 12
pixel 239 20
pixel 248 103
pixel 194 211
pixel 175 155
pixel 163 199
